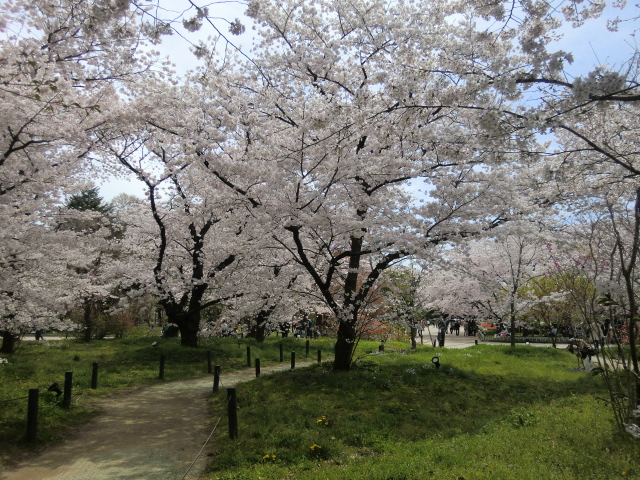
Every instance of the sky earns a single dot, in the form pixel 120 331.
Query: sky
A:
pixel 592 44
pixel 177 49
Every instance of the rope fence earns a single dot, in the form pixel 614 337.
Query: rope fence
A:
pixel 206 441
pixel 8 400
pixel 67 398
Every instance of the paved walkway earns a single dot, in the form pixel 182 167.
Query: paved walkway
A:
pixel 460 341
pixel 154 433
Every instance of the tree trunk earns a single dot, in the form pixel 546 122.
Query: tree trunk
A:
pixel 512 322
pixel 188 323
pixel 634 387
pixel 260 332
pixel 344 347
pixel 414 332
pixel 189 334
pixel 87 320
pixel 259 328
pixel 9 342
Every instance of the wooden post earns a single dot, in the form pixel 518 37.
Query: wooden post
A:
pixel 216 378
pixel 232 412
pixel 293 360
pixel 319 356
pixel 94 376
pixel 248 356
pixel 161 374
pixel 281 352
pixel 66 399
pixel 208 361
pixel 257 367
pixel 32 415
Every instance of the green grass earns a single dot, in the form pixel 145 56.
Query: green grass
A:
pixel 123 363
pixel 489 412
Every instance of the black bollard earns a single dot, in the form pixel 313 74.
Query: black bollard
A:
pixel 257 367
pixel 319 356
pixel 307 349
pixel 216 378
pixel 248 356
pixel 232 412
pixel 293 360
pixel 32 415
pixel 94 376
pixel 66 399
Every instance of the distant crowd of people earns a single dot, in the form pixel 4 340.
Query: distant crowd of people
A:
pixel 456 325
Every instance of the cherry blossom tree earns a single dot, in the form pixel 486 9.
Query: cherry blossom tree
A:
pixel 34 292
pixel 61 62
pixel 341 123
pixel 92 255
pixel 588 113
pixel 400 299
pixel 607 226
pixel 199 232
pixel 488 277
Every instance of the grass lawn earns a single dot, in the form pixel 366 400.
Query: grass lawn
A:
pixel 123 364
pixel 489 412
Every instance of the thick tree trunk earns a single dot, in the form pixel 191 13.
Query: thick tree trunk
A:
pixel 259 328
pixel 189 332
pixel 347 329
pixel 259 332
pixel 344 347
pixel 189 325
pixel 9 342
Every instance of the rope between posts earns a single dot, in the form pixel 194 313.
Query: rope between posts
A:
pixel 205 443
pixel 207 440
pixel 13 399
pixel 8 400
pixel 108 364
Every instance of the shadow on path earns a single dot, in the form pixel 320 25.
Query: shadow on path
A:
pixel 153 433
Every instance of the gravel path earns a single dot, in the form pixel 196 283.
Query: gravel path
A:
pixel 153 433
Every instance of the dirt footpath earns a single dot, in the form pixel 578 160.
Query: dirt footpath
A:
pixel 153 433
